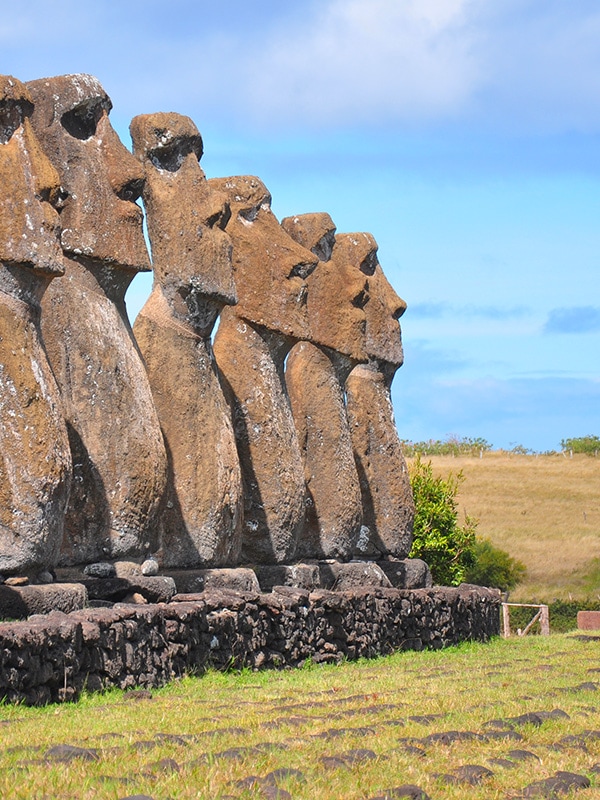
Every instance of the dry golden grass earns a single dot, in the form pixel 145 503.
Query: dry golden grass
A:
pixel 544 510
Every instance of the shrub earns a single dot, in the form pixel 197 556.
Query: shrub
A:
pixel 494 567
pixel 439 540
pixel 583 444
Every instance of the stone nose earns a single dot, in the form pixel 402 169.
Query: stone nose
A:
pixel 394 303
pixel 398 306
pixel 125 173
pixel 300 261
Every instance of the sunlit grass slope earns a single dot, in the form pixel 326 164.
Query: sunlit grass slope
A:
pixel 545 510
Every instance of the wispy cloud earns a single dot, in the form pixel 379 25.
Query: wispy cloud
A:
pixel 576 319
pixel 361 60
pixel 329 63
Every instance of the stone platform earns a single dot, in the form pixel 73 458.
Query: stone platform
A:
pixel 53 657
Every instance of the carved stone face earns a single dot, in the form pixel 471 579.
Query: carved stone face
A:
pixel 29 225
pixel 100 219
pixel 337 289
pixel 270 267
pixel 384 309
pixel 191 253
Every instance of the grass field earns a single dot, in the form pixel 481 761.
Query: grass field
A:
pixel 544 510
pixel 325 733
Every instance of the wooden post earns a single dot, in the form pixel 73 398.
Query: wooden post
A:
pixel 505 621
pixel 545 621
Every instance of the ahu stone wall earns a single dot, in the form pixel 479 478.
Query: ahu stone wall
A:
pixel 52 658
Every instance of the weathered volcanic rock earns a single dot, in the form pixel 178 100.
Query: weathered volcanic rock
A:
pixel 407 573
pixel 388 508
pixel 333 503
pixel 338 287
pixel 250 347
pixel 35 460
pixel 315 375
pixel 155 589
pixel 201 522
pixel 272 473
pixel 298 576
pixel 20 602
pixel 196 581
pixel 118 452
pixel 355 575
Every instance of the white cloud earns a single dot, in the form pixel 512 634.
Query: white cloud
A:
pixel 357 60
pixel 525 65
pixel 518 65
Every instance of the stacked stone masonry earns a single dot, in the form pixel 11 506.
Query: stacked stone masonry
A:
pixel 52 658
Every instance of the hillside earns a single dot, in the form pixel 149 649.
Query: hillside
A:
pixel 544 510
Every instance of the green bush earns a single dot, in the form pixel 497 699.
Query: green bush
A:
pixel 439 540
pixel 583 444
pixel 494 567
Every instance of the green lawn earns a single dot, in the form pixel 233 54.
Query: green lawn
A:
pixel 349 732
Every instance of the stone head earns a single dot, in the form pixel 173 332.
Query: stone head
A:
pixel 337 289
pixel 270 268
pixel 29 222
pixel 384 309
pixel 186 217
pixel 101 179
pixel 316 232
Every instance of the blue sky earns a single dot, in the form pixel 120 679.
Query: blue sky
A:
pixel 464 134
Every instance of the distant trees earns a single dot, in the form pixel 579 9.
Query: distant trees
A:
pixel 590 445
pixel 476 446
pixel 452 446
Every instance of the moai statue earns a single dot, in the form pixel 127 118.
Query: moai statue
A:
pixel 193 280
pixel 251 344
pixel 315 375
pixel 119 460
pixel 35 461
pixel 388 508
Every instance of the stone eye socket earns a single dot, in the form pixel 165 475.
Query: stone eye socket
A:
pixel 167 158
pixel 170 157
pixel 81 122
pixel 361 298
pixel 250 214
pixel 220 218
pixel 369 263
pixel 12 114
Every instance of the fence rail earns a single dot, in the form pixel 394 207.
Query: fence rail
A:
pixel 542 616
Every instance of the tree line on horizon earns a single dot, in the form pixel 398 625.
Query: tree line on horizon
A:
pixel 476 446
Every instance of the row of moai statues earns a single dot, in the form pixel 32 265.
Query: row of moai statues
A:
pixel 269 442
